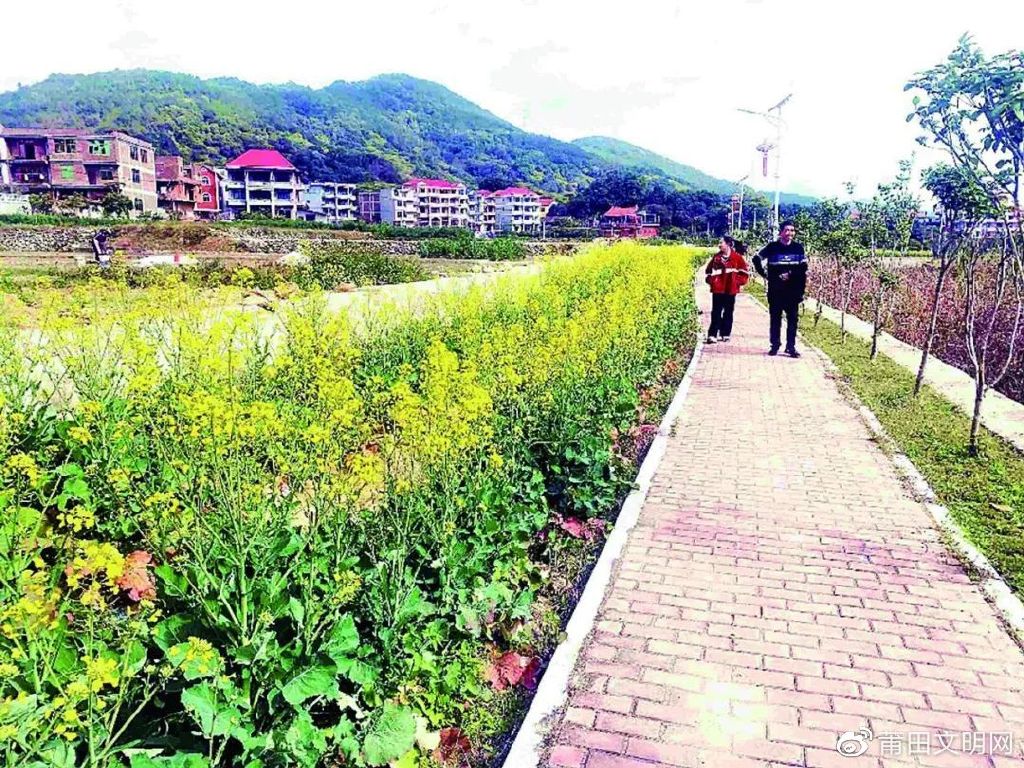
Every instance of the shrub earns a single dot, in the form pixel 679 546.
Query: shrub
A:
pixel 498 249
pixel 331 264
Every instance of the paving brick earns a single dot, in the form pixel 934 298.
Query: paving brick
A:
pixel 755 615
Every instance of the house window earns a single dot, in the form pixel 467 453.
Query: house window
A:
pixel 99 147
pixel 133 152
pixel 136 176
pixel 206 180
pixel 106 174
pixel 206 197
pixel 64 146
pixel 138 203
pixel 67 173
pixel 145 155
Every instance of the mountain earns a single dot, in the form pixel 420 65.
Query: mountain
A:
pixel 383 129
pixel 622 153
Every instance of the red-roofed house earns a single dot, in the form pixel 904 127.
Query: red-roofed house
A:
pixel 628 222
pixel 437 203
pixel 545 206
pixel 264 182
pixel 517 209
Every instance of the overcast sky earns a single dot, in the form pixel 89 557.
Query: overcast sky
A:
pixel 665 75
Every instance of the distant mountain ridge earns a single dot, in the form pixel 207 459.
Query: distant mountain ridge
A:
pixel 383 129
pixel 631 156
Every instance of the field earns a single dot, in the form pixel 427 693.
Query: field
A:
pixel 340 544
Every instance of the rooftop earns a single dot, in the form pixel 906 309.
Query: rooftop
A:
pixel 515 192
pixel 79 133
pixel 616 210
pixel 261 158
pixel 438 183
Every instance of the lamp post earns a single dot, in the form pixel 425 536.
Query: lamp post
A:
pixel 773 116
pixel 743 189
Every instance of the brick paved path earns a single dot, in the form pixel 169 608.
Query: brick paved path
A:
pixel 781 587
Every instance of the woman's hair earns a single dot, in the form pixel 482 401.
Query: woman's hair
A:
pixel 729 241
pixel 740 248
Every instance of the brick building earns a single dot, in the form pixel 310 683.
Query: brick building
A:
pixel 263 182
pixel 63 161
pixel 208 195
pixel 369 206
pixel 176 187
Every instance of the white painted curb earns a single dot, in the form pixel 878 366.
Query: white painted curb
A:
pixel 1006 604
pixel 553 690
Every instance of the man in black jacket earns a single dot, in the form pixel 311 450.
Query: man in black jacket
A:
pixel 783 264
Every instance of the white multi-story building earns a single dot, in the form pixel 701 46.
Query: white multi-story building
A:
pixel 482 212
pixel 440 203
pixel 331 201
pixel 399 206
pixel 264 182
pixel 517 210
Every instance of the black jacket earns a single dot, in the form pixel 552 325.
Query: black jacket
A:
pixel 785 269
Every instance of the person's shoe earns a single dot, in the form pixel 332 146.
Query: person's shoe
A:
pixel 792 352
pixel 773 351
pixel 724 338
pixel 710 340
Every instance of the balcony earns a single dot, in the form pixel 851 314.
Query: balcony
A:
pixel 36 159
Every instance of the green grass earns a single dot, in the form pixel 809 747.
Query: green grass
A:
pixel 985 494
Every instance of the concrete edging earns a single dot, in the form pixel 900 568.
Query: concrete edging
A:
pixel 1007 606
pixel 552 692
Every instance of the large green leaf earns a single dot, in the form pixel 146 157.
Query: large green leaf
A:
pixel 211 710
pixel 343 640
pixel 315 681
pixel 391 736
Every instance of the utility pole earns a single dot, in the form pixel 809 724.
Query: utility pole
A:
pixel 773 116
pixel 742 191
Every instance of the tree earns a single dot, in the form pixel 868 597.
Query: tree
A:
pixel 972 107
pixel 961 206
pixel 889 221
pixel 41 203
pixel 116 204
pixel 830 231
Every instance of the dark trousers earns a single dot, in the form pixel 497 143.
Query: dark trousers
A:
pixel 776 308
pixel 722 306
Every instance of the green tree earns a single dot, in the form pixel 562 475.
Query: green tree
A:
pixel 116 204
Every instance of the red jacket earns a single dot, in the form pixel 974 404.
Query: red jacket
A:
pixel 727 275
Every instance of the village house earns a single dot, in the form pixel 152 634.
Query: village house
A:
pixel 176 187
pixel 331 201
pixel 262 182
pixel 628 222
pixel 517 210
pixel 61 162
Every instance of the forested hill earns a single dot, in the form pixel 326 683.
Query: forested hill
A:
pixel 385 129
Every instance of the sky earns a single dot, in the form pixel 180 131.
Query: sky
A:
pixel 668 76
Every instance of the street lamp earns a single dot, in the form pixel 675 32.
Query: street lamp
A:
pixel 742 190
pixel 773 116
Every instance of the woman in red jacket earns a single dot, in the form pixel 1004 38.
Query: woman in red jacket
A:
pixel 726 273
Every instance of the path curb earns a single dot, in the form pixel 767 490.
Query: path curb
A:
pixel 1007 606
pixel 552 692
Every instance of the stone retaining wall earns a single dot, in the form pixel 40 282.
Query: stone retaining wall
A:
pixel 34 239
